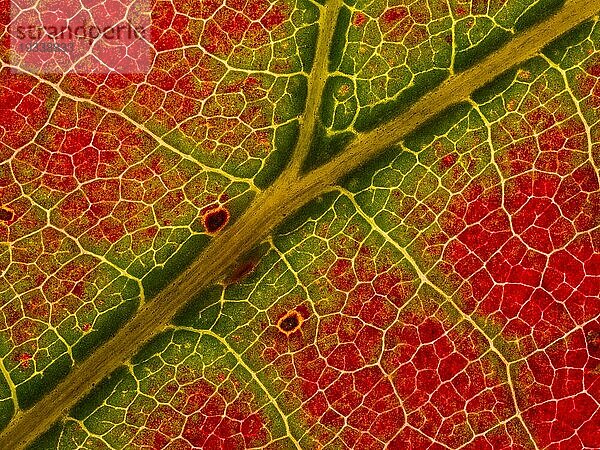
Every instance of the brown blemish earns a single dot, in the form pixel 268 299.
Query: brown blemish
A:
pixel 290 322
pixel 215 220
pixel 6 215
pixel 242 271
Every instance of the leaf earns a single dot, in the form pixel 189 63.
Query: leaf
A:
pixel 441 295
pixel 110 179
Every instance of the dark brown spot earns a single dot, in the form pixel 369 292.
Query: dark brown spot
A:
pixel 215 219
pixel 241 272
pixel 290 322
pixel 6 215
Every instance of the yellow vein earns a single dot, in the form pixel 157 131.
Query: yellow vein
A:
pixel 425 279
pixel 242 363
pixel 577 106
pixel 138 125
pixel 316 85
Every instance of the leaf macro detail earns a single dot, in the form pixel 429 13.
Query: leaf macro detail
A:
pixel 304 224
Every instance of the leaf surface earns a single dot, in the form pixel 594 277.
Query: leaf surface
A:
pixel 109 180
pixel 443 295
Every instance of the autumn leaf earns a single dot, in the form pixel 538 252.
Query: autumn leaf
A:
pixel 293 224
